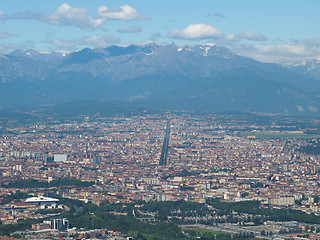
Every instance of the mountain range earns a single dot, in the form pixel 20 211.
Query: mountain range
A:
pixel 201 77
pixel 310 68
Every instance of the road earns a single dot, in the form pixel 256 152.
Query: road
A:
pixel 165 146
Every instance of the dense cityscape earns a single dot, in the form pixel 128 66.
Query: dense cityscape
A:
pixel 160 120
pixel 168 157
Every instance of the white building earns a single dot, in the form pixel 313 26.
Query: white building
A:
pixel 60 157
pixel 42 200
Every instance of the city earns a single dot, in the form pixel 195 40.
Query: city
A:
pixel 232 158
pixel 160 120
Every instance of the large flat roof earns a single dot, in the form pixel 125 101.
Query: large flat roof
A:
pixel 41 199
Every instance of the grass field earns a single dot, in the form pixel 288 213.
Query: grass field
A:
pixel 280 135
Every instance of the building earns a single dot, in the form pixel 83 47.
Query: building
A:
pixel 283 201
pixel 60 157
pixel 57 223
pixel 40 226
pixel 42 201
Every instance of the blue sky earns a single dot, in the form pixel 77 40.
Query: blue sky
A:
pixel 266 30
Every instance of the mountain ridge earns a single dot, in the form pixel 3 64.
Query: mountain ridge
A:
pixel 206 77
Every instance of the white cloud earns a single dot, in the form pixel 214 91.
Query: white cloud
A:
pixel 76 44
pixel 11 46
pixel 249 35
pixel 287 48
pixel 300 108
pixel 231 37
pixel 67 15
pixel 80 17
pixel 197 31
pixel 133 29
pixel 277 51
pixel 4 35
pixel 2 15
pixel 98 42
pixel 65 45
pixel 125 12
pixel 313 109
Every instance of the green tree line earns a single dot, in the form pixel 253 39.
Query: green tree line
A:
pixel 60 182
pixel 273 214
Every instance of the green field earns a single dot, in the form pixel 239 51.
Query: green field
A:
pixel 281 135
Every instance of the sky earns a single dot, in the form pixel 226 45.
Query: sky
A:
pixel 280 31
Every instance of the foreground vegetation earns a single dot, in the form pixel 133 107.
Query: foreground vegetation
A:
pixel 166 217
pixel 266 213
